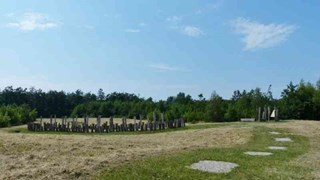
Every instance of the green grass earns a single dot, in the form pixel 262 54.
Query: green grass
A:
pixel 188 127
pixel 175 166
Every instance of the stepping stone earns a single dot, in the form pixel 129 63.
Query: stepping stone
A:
pixel 258 153
pixel 277 148
pixel 214 166
pixel 275 133
pixel 283 139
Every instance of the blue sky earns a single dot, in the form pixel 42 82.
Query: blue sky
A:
pixel 158 48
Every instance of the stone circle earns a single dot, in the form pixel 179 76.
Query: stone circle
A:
pixel 251 153
pixel 214 166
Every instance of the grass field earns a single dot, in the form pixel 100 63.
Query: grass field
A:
pixel 163 155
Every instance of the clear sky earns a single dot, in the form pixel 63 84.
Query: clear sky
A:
pixel 158 48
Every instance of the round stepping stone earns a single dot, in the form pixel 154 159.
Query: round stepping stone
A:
pixel 214 166
pixel 258 153
pixel 283 139
pixel 275 133
pixel 277 148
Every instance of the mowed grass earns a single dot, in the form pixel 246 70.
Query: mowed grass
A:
pixel 175 166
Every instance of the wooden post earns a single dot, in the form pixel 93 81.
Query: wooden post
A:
pixel 40 122
pixel 84 123
pixel 76 122
pixel 135 124
pixel 268 113
pixel 99 123
pixel 50 120
pixel 259 114
pixel 140 122
pixel 154 121
pixel 276 114
pixel 162 118
pixel 111 124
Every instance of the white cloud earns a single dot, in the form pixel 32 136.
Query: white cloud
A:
pixel 176 25
pixel 139 26
pixel 192 31
pixel 258 35
pixel 132 30
pixel 174 19
pixel 33 21
pixel 165 67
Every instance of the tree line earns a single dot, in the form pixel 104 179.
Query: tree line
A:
pixel 297 101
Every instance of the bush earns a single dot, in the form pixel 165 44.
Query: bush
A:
pixel 4 120
pixel 12 115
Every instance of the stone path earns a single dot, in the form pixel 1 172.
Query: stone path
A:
pixel 226 167
pixel 252 153
pixel 286 139
pixel 214 166
pixel 277 148
pixel 275 133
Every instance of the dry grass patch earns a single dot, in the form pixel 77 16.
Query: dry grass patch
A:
pixel 40 156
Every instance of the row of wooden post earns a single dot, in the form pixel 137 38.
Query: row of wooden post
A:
pixel 85 127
